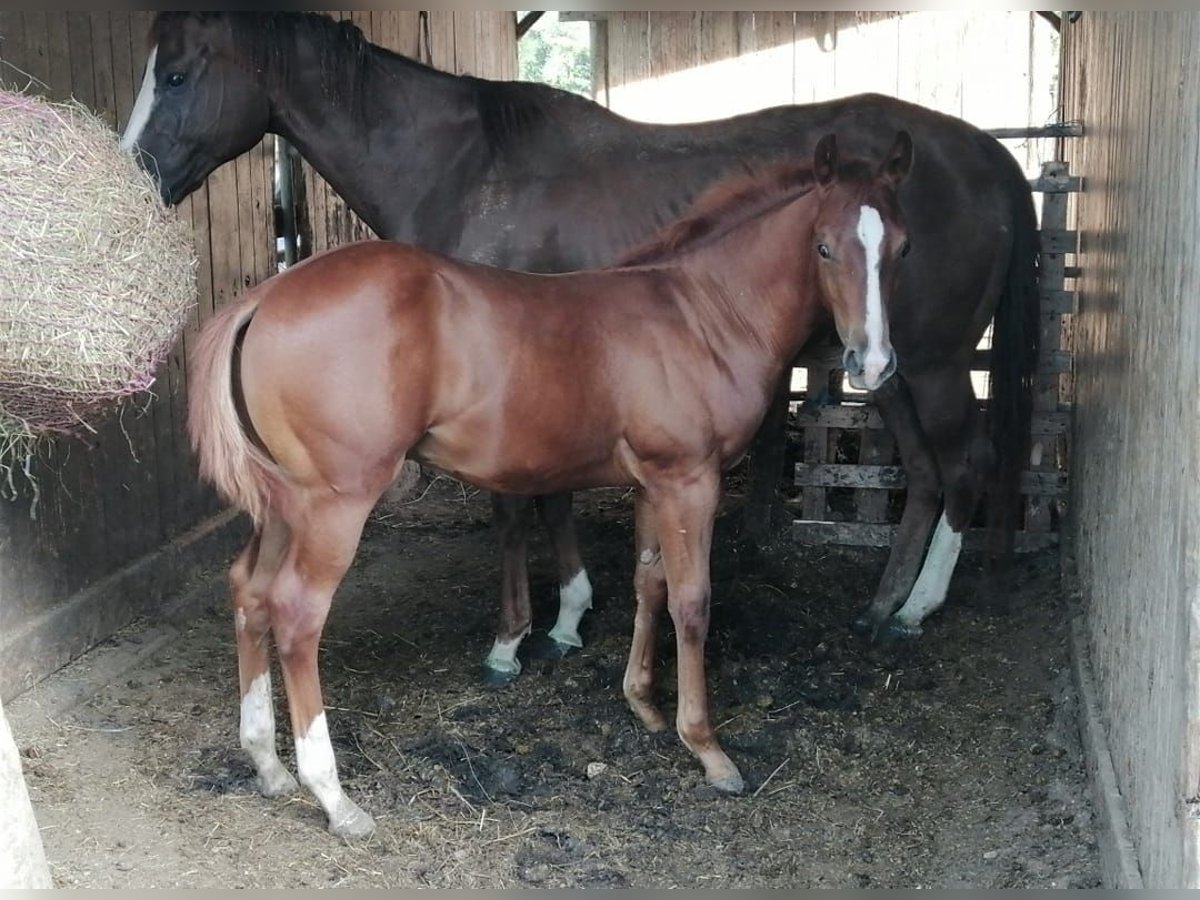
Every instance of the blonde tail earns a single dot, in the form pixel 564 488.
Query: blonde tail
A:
pixel 240 471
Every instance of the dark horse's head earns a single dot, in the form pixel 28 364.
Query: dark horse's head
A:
pixel 215 83
pixel 860 237
pixel 200 103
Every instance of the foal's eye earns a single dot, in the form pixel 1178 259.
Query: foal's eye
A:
pixel 175 79
pixel 904 248
pixel 823 250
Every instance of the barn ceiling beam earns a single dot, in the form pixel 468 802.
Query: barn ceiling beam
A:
pixel 528 21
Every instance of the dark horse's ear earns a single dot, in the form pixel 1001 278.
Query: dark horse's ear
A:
pixel 825 160
pixel 899 159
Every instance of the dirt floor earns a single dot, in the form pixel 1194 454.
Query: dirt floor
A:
pixel 953 762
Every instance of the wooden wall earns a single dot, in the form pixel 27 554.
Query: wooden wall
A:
pixel 113 501
pixel 992 68
pixel 1136 467
pixel 466 43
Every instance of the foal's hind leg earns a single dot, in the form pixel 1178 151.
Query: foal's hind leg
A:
pixel 324 539
pixel 249 579
pixel 574 590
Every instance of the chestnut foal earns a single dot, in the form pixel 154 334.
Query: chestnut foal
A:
pixel 307 396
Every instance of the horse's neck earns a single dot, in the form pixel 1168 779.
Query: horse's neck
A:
pixel 409 131
pixel 760 278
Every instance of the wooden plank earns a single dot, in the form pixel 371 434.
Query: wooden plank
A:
pixel 1057 184
pixel 79 38
pixel 121 473
pixel 893 478
pixel 1058 301
pixel 877 448
pixel 1052 361
pixel 465 59
pixel 58 54
pixel 862 534
pixel 856 417
pixel 817 442
pixel 15 63
pixel 1058 240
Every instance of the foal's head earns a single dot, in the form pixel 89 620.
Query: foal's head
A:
pixel 860 240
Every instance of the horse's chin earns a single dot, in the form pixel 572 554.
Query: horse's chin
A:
pixel 860 384
pixel 173 195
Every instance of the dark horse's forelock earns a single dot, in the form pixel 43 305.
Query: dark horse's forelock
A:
pixel 723 207
pixel 264 42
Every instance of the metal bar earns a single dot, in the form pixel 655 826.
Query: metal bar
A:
pixel 1073 128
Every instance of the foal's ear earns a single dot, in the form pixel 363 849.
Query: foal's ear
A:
pixel 825 160
pixel 898 163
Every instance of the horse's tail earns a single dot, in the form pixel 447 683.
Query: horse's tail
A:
pixel 229 460
pixel 1015 346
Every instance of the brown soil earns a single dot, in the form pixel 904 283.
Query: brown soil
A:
pixel 952 762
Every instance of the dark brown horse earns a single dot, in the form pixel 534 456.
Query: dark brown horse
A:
pixel 306 397
pixel 528 177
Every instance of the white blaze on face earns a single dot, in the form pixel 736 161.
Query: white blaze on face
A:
pixel 142 108
pixel 870 234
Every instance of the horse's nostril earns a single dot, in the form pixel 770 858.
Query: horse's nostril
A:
pixel 852 362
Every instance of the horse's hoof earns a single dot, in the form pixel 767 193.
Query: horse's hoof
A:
pixel 352 823
pixel 896 632
pixel 494 678
pixel 281 784
pixel 863 624
pixel 542 646
pixel 729 784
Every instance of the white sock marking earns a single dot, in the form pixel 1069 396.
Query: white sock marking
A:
pixel 929 593
pixel 318 773
pixel 870 234
pixel 257 734
pixel 574 599
pixel 503 655
pixel 143 107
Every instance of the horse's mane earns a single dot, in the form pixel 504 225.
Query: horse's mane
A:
pixel 727 204
pixel 509 111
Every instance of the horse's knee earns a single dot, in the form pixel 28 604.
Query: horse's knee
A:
pixel 688 606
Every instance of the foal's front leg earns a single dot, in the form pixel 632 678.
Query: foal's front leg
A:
pixel 650 589
pixel 320 551
pixel 684 512
pixel 249 579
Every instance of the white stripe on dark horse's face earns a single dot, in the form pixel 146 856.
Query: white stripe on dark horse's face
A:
pixel 142 108
pixel 870 234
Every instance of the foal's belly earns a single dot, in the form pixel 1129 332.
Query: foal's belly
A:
pixel 526 463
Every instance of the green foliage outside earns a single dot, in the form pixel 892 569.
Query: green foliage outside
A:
pixel 558 54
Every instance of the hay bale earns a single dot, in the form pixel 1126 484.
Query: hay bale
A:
pixel 96 276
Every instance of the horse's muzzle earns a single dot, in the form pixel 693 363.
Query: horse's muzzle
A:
pixel 868 370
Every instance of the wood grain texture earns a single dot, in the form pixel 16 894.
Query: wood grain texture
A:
pixel 112 501
pixel 1135 496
